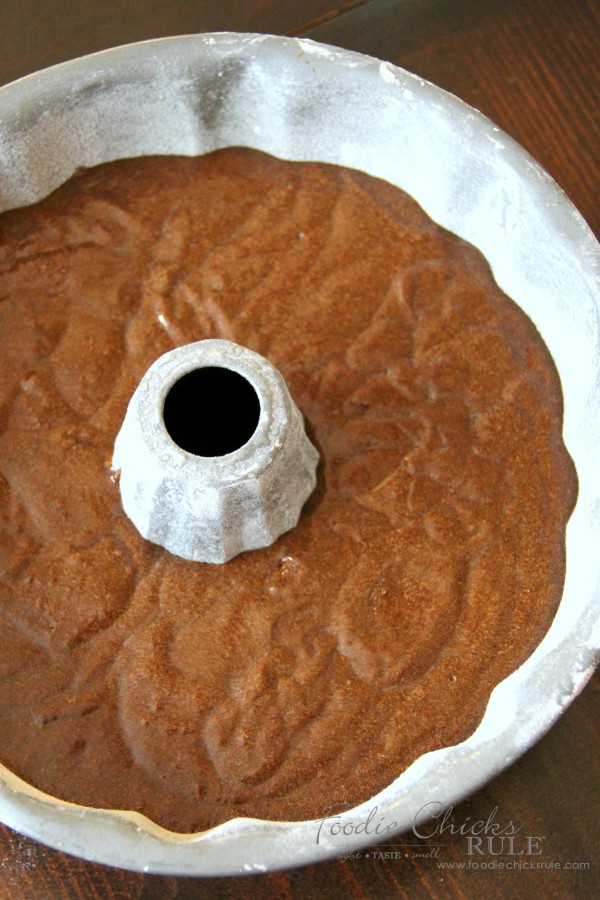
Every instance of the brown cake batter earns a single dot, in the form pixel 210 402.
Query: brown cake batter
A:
pixel 425 568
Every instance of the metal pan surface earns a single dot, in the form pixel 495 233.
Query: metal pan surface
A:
pixel 305 101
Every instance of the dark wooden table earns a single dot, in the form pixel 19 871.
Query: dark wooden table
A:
pixel 532 67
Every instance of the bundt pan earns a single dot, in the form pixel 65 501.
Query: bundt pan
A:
pixel 304 101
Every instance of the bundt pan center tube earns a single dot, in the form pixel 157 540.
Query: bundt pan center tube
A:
pixel 212 458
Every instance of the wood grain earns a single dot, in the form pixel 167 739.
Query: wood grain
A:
pixel 35 34
pixel 531 66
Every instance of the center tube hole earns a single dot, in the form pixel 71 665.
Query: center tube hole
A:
pixel 211 411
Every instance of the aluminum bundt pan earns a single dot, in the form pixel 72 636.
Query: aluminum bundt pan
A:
pixel 304 101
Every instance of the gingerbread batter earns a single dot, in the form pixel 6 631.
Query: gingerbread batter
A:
pixel 426 567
